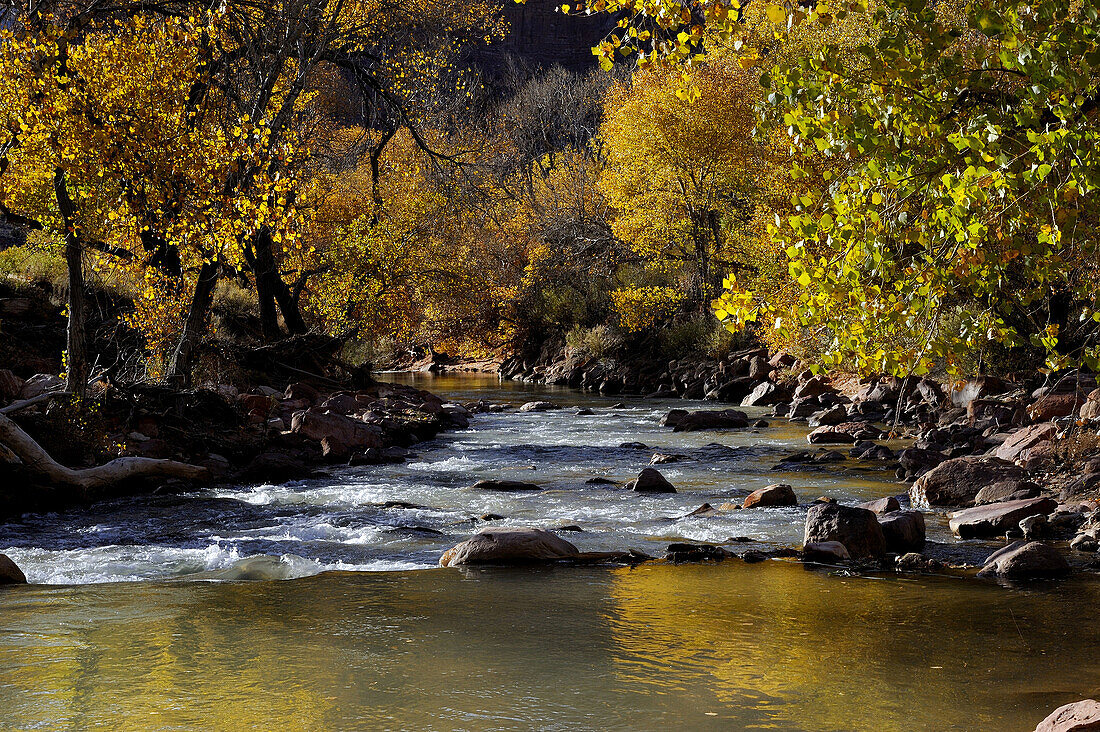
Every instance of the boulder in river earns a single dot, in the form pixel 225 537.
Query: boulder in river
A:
pixel 684 552
pixel 856 528
pixel 650 480
pixel 673 417
pixel 1078 716
pixel 882 505
pixel 10 574
pixel 779 494
pixel 825 551
pixel 996 518
pixel 957 482
pixel 1025 560
pixel 508 545
pixel 712 420
pixel 506 486
pixel 539 407
pixel 903 531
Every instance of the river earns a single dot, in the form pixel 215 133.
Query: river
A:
pixel 140 616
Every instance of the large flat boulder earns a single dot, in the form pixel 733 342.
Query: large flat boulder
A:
pixel 856 528
pixel 1058 404
pixel 957 482
pixel 1079 716
pixel 348 432
pixel 1025 439
pixel 508 545
pixel 1025 560
pixel 994 519
pixel 711 420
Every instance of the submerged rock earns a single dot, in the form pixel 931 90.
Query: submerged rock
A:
pixel 779 494
pixel 10 574
pixel 856 528
pixel 508 545
pixel 650 480
pixel 505 485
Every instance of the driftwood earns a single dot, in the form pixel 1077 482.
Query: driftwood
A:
pixel 37 460
pixel 16 406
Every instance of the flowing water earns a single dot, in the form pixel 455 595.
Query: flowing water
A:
pixel 141 617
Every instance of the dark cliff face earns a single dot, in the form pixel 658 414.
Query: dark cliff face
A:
pixel 541 36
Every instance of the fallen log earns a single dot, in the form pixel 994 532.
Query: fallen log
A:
pixel 37 460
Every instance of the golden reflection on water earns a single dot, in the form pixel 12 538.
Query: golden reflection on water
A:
pixel 805 650
pixel 769 646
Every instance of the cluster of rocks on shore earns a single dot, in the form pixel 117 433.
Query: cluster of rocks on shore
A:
pixel 260 435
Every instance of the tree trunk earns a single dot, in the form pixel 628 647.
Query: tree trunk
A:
pixel 36 459
pixel 272 292
pixel 180 370
pixel 76 353
pixel 288 306
pixel 263 266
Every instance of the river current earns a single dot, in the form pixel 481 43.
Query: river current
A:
pixel 142 615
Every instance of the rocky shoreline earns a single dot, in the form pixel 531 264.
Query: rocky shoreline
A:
pixel 1008 459
pixel 260 435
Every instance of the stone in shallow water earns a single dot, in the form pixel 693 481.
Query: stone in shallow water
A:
pixel 539 407
pixel 856 528
pixel 882 505
pixel 780 494
pixel 650 480
pixel 509 545
pixel 825 551
pixel 1025 560
pixel 903 530
pixel 10 574
pixel 1079 716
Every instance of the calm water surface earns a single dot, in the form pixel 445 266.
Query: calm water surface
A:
pixel 141 621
